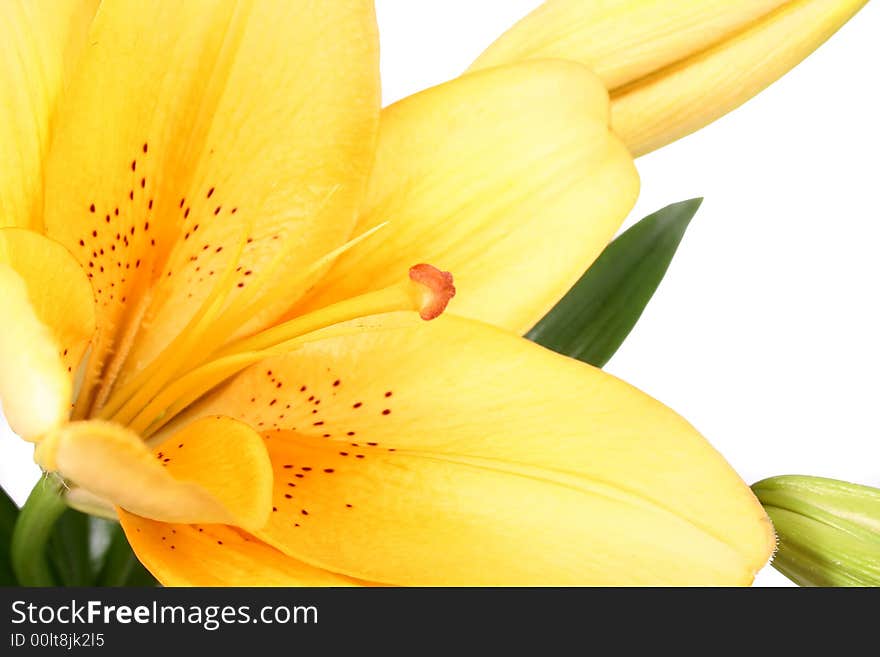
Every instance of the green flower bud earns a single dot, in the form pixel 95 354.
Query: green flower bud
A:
pixel 828 530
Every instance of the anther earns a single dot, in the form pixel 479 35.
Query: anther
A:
pixel 434 287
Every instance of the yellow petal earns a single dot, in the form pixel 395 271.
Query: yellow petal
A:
pixel 40 43
pixel 214 470
pixel 216 555
pixel 451 452
pixel 673 67
pixel 35 388
pixel 192 128
pixel 509 179
pixel 58 289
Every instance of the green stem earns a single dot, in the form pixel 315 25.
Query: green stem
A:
pixel 32 530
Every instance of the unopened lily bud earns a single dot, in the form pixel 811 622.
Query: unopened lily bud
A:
pixel 828 530
pixel 674 66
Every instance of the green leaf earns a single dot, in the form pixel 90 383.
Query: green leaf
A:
pixel 8 515
pixel 32 531
pixel 120 566
pixel 593 319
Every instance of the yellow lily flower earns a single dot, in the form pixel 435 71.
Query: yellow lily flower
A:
pixel 674 66
pixel 216 315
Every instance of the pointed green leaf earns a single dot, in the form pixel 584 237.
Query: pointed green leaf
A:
pixel 593 319
pixel 8 515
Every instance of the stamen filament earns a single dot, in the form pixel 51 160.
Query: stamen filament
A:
pixel 123 348
pixel 177 396
pixel 157 402
pixel 207 330
pixel 124 404
pixel 389 299
pixel 250 302
pixel 159 372
pixel 428 291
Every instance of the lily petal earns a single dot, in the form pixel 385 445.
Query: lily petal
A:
pixel 58 289
pixel 40 43
pixel 675 66
pixel 49 313
pixel 174 147
pixel 455 453
pixel 216 555
pixel 35 387
pixel 214 470
pixel 509 178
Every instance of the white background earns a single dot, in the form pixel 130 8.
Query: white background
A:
pixel 764 333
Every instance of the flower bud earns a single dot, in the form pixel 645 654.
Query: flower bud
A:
pixel 828 530
pixel 674 66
